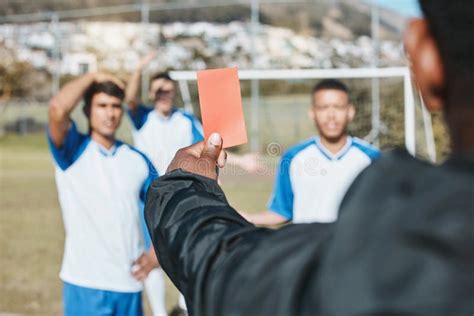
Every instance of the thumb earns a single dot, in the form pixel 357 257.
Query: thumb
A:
pixel 213 148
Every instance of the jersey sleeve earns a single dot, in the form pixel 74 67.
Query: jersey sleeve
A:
pixel 281 201
pixel 152 175
pixel 196 127
pixel 72 148
pixel 372 152
pixel 198 134
pixel 139 116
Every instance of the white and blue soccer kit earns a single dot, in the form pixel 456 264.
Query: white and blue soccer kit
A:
pixel 161 137
pixel 100 191
pixel 311 182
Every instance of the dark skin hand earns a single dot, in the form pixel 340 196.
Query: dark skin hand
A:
pixel 203 158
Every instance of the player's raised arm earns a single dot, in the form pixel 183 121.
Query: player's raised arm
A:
pixel 62 104
pixel 267 218
pixel 132 98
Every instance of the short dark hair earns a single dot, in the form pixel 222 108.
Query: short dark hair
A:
pixel 161 75
pixel 330 84
pixel 107 87
pixel 450 23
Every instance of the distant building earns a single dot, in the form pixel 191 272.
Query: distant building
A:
pixel 78 63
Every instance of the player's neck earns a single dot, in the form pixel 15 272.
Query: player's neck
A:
pixel 162 112
pixel 104 141
pixel 334 145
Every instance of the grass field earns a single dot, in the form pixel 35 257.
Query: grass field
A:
pixel 31 228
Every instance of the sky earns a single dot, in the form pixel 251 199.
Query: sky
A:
pixel 405 7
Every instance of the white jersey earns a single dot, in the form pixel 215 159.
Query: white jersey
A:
pixel 100 192
pixel 311 182
pixel 161 137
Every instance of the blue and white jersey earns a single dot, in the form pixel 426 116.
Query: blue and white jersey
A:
pixel 161 137
pixel 311 181
pixel 100 191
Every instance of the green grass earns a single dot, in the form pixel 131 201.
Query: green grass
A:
pixel 32 236
pixel 31 228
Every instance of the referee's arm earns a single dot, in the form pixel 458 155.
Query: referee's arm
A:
pixel 221 263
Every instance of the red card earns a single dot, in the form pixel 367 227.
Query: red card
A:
pixel 221 105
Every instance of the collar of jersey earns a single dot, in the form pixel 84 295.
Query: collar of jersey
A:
pixel 163 118
pixel 107 152
pixel 330 156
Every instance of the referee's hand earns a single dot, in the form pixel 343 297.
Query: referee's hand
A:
pixel 203 158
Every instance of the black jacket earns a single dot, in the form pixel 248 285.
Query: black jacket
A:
pixel 403 245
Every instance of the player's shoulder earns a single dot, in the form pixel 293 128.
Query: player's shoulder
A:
pixel 185 114
pixel 294 150
pixel 144 108
pixel 133 158
pixel 132 152
pixel 139 116
pixel 366 148
pixel 73 147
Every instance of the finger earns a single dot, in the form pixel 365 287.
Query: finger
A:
pixel 140 276
pixel 136 273
pixel 212 148
pixel 136 270
pixel 222 159
pixel 107 77
pixel 196 149
pixel 185 156
pixel 118 82
pixel 159 84
pixel 140 271
pixel 140 261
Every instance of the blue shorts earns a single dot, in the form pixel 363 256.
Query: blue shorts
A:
pixel 80 301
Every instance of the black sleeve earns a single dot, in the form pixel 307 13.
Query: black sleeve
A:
pixel 221 263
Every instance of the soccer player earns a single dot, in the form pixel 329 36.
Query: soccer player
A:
pixel 402 245
pixel 159 131
pixel 101 183
pixel 313 176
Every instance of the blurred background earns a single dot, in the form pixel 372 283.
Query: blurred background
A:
pixel 282 48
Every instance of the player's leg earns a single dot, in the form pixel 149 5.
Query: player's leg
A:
pixel 155 290
pixel 129 304
pixel 80 300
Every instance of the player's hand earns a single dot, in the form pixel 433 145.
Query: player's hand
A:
pixel 203 158
pixel 144 264
pixel 147 59
pixel 246 215
pixel 249 162
pixel 104 77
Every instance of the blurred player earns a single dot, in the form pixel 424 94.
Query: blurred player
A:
pixel 313 176
pixel 159 131
pixel 101 183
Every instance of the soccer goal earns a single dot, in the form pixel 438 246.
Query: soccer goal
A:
pixel 394 115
